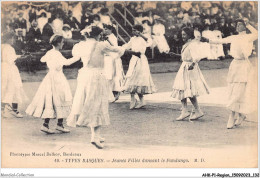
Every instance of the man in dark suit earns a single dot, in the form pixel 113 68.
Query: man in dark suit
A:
pixel 86 19
pixel 34 37
pixel 72 22
pixel 47 32
pixel 19 41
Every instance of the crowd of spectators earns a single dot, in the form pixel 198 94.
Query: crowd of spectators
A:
pixel 209 18
pixel 33 23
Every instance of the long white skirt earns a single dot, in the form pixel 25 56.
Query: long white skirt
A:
pixel 53 98
pixel 118 77
pixel 189 83
pixel 139 79
pixel 114 72
pixel 90 100
pixel 242 87
pixel 12 87
pixel 109 66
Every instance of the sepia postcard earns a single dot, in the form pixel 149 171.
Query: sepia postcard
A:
pixel 129 84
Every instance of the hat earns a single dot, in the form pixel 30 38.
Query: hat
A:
pixel 42 11
pixel 52 37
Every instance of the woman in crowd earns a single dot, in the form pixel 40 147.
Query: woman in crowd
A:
pixel 42 21
pixel 207 33
pixel 159 38
pixel 57 24
pixel 216 49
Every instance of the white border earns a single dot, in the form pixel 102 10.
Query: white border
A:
pixel 131 172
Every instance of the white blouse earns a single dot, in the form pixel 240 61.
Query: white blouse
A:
pixel 55 60
pixel 194 51
pixel 138 44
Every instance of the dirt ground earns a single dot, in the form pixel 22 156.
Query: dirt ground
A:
pixel 148 132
